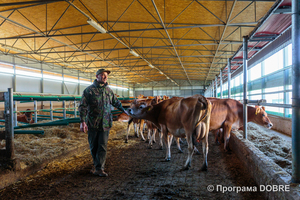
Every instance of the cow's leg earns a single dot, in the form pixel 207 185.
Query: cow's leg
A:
pixel 161 140
pixel 196 151
pixel 144 128
pixel 178 145
pixel 141 129
pixel 150 139
pixel 149 134
pixel 190 149
pixel 153 135
pixel 168 147
pixel 128 130
pixel 216 133
pixel 226 132
pixel 205 152
pixel 135 130
pixel 167 143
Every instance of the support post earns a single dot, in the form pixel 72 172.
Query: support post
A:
pixel 221 84
pixel 213 89
pixel 245 100
pixel 78 89
pixel 35 111
pixel 15 114
pixel 296 91
pixel 64 110
pixel 9 127
pixel 216 87
pixel 229 78
pixel 75 115
pixel 51 111
pixel 14 83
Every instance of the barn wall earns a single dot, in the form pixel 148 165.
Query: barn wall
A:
pixel 26 84
pixel 281 124
pixel 6 82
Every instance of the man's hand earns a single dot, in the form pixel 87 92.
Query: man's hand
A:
pixel 83 127
pixel 125 111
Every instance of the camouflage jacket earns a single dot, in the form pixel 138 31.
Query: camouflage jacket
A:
pixel 95 109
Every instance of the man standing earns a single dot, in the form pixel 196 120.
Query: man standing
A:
pixel 96 118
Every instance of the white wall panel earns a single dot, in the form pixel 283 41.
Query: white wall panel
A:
pixel 6 82
pixel 51 86
pixel 28 84
pixel 71 88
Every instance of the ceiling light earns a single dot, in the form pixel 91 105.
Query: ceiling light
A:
pixel 161 72
pixel 96 26
pixel 134 53
pixel 68 64
pixel 151 66
pixel 168 78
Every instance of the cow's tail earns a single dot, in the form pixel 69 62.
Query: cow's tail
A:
pixel 205 103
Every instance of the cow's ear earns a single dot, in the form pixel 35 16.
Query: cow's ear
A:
pixel 263 108
pixel 257 110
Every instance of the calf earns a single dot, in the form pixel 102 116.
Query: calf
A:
pixel 26 117
pixel 181 117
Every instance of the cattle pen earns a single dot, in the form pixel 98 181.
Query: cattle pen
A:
pixel 229 66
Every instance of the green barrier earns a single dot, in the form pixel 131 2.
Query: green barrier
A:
pixel 2 120
pixel 54 123
pixel 49 116
pixel 28 132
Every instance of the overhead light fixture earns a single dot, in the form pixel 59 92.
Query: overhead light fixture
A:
pixel 134 53
pixel 168 78
pixel 161 72
pixel 151 66
pixel 68 64
pixel 96 26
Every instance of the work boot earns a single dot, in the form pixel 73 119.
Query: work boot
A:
pixel 100 173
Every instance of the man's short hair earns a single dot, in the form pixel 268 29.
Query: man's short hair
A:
pixel 102 70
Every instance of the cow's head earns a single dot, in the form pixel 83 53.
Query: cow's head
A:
pixel 261 117
pixel 139 109
pixel 28 116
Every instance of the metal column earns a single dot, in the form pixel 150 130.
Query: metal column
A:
pixel 15 114
pixel 213 89
pixel 221 84
pixel 75 110
pixel 51 111
pixel 296 91
pixel 9 126
pixel 35 111
pixel 216 87
pixel 229 77
pixel 245 100
pixel 64 110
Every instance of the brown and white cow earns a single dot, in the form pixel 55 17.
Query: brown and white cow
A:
pixel 26 117
pixel 181 117
pixel 227 114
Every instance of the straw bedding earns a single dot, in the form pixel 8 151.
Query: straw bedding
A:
pixel 278 149
pixel 57 140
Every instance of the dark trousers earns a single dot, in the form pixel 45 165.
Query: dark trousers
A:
pixel 98 139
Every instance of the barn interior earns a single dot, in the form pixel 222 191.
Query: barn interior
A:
pixel 52 49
